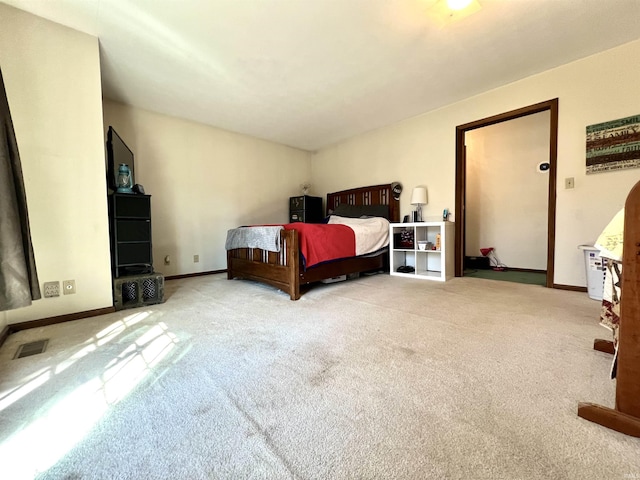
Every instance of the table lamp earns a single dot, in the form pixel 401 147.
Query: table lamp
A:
pixel 419 198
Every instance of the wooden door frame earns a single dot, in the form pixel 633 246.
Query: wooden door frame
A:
pixel 461 178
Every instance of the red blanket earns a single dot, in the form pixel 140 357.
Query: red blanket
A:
pixel 320 242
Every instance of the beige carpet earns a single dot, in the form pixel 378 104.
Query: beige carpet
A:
pixel 380 377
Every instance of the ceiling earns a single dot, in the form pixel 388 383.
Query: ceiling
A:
pixel 309 73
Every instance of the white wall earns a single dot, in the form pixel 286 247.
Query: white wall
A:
pixel 421 150
pixel 204 181
pixel 52 78
pixel 506 194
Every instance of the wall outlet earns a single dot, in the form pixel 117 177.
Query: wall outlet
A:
pixel 167 260
pixel 196 258
pixel 51 289
pixel 569 182
pixel 69 287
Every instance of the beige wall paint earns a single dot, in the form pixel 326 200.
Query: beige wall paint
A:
pixel 204 181
pixel 507 196
pixel 52 77
pixel 421 150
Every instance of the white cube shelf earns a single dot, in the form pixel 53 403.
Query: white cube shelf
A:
pixel 427 264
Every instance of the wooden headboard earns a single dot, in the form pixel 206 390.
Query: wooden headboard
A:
pixel 373 195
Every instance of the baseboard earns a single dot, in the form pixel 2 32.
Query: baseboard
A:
pixel 530 270
pixel 570 287
pixel 43 322
pixel 199 274
pixel 6 331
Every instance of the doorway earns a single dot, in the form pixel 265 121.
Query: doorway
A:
pixel 463 214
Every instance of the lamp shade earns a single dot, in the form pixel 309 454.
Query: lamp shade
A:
pixel 419 196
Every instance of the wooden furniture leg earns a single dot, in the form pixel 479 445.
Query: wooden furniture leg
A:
pixel 292 252
pixel 610 418
pixel 605 346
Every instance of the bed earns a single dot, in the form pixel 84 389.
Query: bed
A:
pixel 285 269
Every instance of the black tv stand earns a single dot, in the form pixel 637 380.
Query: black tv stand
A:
pixel 130 227
pixel 135 284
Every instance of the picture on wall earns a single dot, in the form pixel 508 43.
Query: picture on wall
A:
pixel 613 145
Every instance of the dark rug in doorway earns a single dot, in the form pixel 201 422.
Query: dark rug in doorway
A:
pixel 533 278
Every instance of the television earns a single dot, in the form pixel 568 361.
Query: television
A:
pixel 117 153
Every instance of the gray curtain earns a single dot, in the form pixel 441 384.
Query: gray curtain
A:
pixel 18 277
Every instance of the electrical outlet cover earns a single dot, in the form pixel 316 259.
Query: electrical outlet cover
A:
pixel 69 287
pixel 51 289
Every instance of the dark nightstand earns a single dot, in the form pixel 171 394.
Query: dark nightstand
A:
pixel 305 209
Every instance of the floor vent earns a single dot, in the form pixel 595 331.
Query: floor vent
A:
pixel 33 348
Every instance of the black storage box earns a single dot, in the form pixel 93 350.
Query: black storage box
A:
pixel 477 263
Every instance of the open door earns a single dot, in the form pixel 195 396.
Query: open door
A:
pixel 461 180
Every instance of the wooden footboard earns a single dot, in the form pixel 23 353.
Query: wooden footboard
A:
pixel 279 269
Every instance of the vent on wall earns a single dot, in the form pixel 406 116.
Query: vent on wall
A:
pixel 32 348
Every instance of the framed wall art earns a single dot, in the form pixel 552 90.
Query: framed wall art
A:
pixel 613 145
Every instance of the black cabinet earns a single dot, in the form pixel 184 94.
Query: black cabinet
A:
pixel 305 209
pixel 130 229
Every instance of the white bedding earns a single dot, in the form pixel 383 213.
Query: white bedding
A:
pixel 371 233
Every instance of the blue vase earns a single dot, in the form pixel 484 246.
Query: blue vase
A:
pixel 125 182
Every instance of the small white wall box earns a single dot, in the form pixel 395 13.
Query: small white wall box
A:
pixel 341 278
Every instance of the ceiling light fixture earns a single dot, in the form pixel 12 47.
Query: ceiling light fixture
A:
pixel 448 11
pixel 458 4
